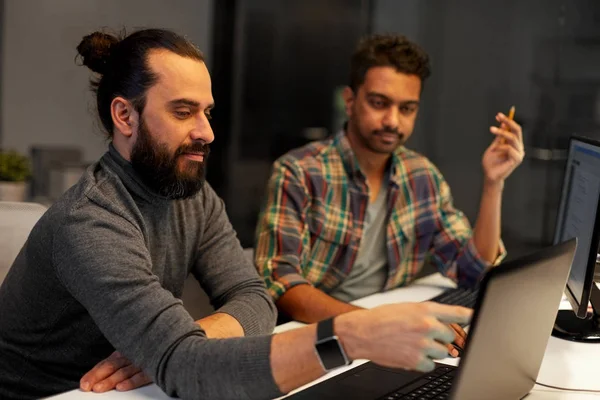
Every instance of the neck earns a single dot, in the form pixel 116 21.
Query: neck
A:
pixel 372 164
pixel 120 144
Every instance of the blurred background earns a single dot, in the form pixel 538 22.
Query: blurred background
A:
pixel 278 67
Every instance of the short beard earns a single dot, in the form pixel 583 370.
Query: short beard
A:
pixel 158 169
pixel 364 138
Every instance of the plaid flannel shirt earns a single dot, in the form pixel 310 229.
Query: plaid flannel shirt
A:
pixel 310 227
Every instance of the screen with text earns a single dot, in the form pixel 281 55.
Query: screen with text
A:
pixel 577 213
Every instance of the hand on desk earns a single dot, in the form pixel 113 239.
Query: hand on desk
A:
pixel 115 372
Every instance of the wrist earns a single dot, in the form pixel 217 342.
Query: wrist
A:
pixel 348 330
pixel 493 186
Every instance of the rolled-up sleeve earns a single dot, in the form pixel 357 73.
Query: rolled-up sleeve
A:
pixel 454 250
pixel 282 235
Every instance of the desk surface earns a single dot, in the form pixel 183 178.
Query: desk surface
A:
pixel 565 363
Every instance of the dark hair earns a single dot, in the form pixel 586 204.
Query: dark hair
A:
pixel 122 65
pixel 388 51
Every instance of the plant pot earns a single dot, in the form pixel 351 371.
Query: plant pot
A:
pixel 13 191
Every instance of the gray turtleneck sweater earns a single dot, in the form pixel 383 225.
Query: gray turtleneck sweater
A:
pixel 104 269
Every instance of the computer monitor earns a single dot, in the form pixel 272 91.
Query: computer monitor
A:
pixel 579 216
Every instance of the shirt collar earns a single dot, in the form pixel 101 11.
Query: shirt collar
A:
pixel 130 178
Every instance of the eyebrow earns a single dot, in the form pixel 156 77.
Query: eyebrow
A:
pixel 189 103
pixel 384 97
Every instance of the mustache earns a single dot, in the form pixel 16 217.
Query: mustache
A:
pixel 392 131
pixel 197 147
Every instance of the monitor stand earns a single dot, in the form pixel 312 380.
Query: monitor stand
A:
pixel 569 327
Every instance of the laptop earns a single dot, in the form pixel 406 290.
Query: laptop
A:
pixel 512 321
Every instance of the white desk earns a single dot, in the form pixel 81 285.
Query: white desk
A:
pixel 565 364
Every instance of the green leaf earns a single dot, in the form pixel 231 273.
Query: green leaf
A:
pixel 14 167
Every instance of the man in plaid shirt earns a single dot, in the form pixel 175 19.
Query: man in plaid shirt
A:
pixel 360 213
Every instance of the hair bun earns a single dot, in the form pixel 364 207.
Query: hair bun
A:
pixel 95 49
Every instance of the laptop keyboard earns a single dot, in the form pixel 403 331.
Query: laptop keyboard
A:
pixel 432 386
pixel 458 297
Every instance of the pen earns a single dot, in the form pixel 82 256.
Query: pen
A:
pixel 511 116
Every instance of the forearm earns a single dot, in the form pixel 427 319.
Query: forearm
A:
pixel 221 325
pixel 238 368
pixel 307 304
pixel 486 233
pixel 294 360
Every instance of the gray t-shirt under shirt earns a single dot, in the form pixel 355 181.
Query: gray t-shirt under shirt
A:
pixel 369 271
pixel 104 268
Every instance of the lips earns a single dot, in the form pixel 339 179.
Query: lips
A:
pixel 199 157
pixel 389 137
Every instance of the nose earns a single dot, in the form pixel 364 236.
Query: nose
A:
pixel 391 119
pixel 203 131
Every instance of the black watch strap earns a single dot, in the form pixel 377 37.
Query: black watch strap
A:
pixel 325 329
pixel 328 347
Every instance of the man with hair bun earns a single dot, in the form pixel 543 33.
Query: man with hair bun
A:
pixel 97 285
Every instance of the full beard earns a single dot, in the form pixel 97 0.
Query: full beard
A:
pixel 160 170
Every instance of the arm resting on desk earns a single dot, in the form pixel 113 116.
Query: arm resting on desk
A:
pixel 117 372
pixel 149 326
pixel 305 303
pixel 228 277
pixel 221 325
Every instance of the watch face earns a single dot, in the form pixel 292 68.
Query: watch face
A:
pixel 331 353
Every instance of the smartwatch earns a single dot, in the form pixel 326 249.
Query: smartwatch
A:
pixel 328 347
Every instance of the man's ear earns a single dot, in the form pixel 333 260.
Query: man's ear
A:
pixel 348 96
pixel 124 116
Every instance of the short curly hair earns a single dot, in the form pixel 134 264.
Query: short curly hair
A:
pixel 387 50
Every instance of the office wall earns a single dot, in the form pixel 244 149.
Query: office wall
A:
pixel 45 96
pixel 478 70
pixel 487 56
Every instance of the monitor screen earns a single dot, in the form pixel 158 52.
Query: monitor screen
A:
pixel 577 211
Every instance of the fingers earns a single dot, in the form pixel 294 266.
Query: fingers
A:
pixel 111 382
pixel 440 332
pixel 435 350
pixel 510 125
pixel 425 364
pixel 460 336
pixel 452 350
pixel 103 370
pixel 449 314
pixel 511 152
pixel 508 137
pixel 138 380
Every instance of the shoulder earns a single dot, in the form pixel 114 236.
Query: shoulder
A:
pixel 416 164
pixel 99 199
pixel 308 160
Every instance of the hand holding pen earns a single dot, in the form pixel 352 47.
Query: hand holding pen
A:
pixel 506 151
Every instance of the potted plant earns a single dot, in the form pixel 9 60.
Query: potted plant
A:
pixel 14 173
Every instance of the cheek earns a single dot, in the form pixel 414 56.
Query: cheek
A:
pixel 409 122
pixel 370 119
pixel 174 135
